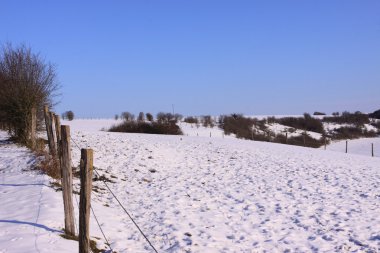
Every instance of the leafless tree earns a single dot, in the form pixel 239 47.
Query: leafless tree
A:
pixel 141 117
pixel 149 117
pixel 26 82
pixel 127 116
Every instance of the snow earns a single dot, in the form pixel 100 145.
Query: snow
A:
pixel 292 132
pixel 359 146
pixel 31 216
pixel 202 194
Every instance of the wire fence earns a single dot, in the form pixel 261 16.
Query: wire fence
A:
pixel 120 204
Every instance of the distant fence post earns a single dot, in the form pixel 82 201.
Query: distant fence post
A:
pixel 33 127
pixel 325 142
pixel 372 151
pixel 286 137
pixel 49 131
pixel 346 146
pixel 67 180
pixel 86 168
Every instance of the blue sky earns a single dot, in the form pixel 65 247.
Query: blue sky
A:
pixel 205 57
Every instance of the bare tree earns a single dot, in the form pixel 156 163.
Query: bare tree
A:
pixel 127 116
pixel 141 117
pixel 149 117
pixel 26 82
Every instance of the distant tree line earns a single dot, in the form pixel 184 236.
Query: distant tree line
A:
pixel 165 123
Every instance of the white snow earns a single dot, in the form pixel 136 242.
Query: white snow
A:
pixel 31 213
pixel 201 194
pixel 292 132
pixel 359 146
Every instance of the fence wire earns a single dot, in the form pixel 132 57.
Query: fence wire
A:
pixel 121 205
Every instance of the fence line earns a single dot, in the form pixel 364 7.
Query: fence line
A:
pixel 122 206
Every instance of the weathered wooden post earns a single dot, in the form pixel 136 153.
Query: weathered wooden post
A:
pixel 67 180
pixel 57 122
pixel 372 151
pixel 33 127
pixel 58 138
pixel 53 130
pixel 286 137
pixel 86 169
pixel 49 131
pixel 346 146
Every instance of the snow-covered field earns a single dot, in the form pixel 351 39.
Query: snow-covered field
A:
pixel 202 194
pixel 359 146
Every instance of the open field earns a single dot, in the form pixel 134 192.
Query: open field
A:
pixel 201 194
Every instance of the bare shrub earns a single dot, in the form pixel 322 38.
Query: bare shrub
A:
pixel 26 82
pixel 168 117
pixel 141 117
pixel 69 115
pixel 147 128
pixel 127 116
pixel 356 118
pixel 149 117
pixel 307 123
pixel 375 114
pixel 191 120
pixel 207 121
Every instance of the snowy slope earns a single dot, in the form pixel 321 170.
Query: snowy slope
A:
pixel 31 212
pixel 201 194
pixel 359 146
pixel 226 195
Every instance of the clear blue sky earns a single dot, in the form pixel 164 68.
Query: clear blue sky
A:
pixel 203 56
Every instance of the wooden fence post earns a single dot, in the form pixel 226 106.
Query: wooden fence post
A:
pixel 286 137
pixel 346 146
pixel 372 151
pixel 57 128
pixel 53 130
pixel 86 169
pixel 325 142
pixel 67 180
pixel 33 127
pixel 49 131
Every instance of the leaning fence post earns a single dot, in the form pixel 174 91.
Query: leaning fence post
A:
pixel 67 180
pixel 86 167
pixel 49 131
pixel 33 127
